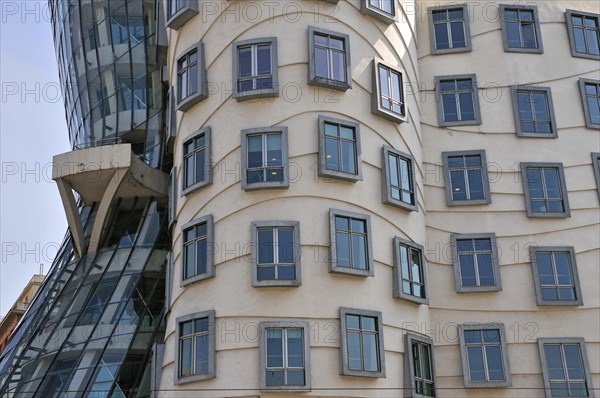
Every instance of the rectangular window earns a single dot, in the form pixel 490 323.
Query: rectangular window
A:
pixel 197 253
pixel 285 356
pixel 196 161
pixel 180 11
pixel 476 267
pixel 276 253
pixel 521 29
pixel 339 149
pixel 196 352
pixel 362 350
pixel 264 158
pixel 384 10
pixel 467 182
pixel 565 367
pixel 545 190
pixel 457 100
pixel 584 34
pixel 172 196
pixel 534 112
pixel 255 68
pixel 449 29
pixel 329 59
pixel 399 176
pixel 596 166
pixel 388 93
pixel 420 363
pixel 351 247
pixel 484 356
pixel 556 276
pixel 191 78
pixel 590 95
pixel 410 275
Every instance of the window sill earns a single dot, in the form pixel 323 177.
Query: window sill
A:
pixel 392 117
pixel 256 186
pixel 196 278
pixel 329 83
pixel 553 134
pixel 339 175
pixel 401 205
pixel 181 17
pixel 351 271
pixel 473 202
pixel 277 283
pixel 186 104
pixel 363 373
pixel 531 214
pixel 189 379
pixel 454 50
pixel 475 122
pixel 376 13
pixel 524 50
pixel 254 94
pixel 196 186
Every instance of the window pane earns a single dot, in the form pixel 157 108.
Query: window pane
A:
pixel 552 183
pixel 354 360
pixel 524 103
pixel 368 323
pixel 274 152
pixel 544 265
pixel 331 154
pixel 189 261
pixel 592 36
pixel 286 273
pixel 348 157
pixel 579 36
pixel 347 132
pixel 193 79
pixel 320 39
pixel 352 321
pixel 396 86
pixel 264 60
pixel 426 356
pixel 449 107
pixel 245 59
pixel 265 246
pixel 339 65
pixel 475 184
pixel 416 266
pixel 458 34
pixel 189 171
pixel 486 273
pixel 594 109
pixel 267 274
pixel 199 166
pixel 512 34
pixel 559 389
pixel 393 167
pixel 494 362
pixel 186 328
pixel 295 348
pixel 201 256
pixel 441 35
pixel 475 360
pixel 534 178
pixel 383 81
pixel 563 268
pixel 491 335
pixel 255 151
pixel 459 190
pixel 275 378
pixel 274 348
pixel 370 352
pixel 472 336
pixel 467 270
pixel 528 31
pixel 358 226
pixel 321 63
pixel 549 293
pixel 342 223
pixel 185 353
pixel 359 252
pixel 295 378
pixel 201 354
pixel 554 362
pixel 482 244
pixel 406 177
pixel 573 360
pixel 467 111
pixel 342 249
pixel 336 43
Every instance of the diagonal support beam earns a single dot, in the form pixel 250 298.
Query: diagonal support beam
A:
pixel 72 212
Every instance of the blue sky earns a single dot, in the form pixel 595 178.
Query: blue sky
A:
pixel 32 130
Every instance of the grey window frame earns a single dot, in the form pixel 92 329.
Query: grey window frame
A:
pixel 514 90
pixel 173 188
pixel 263 326
pixel 333 267
pixel 283 130
pixel 323 170
pixel 344 368
pixel 297 281
pixel 210 242
pixel 542 341
pixel 179 18
pixel 497 286
pixel 171 118
pixel 386 191
pixel 484 174
pixel 586 109
pixel 440 108
pixel 212 355
pixel 367 9
pixel 533 250
pixel 169 282
pixel 201 94
pixel 409 364
pixel 465 364
pixel 466 26
pixel 397 283
pixel 563 187
pixel 568 14
pixel 376 107
pixel 536 21
pixel 258 92
pixel 313 79
pixel 208 172
pixel 596 166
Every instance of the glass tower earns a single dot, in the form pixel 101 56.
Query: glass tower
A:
pixel 93 326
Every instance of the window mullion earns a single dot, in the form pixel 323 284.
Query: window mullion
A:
pixel 449 29
pixel 484 356
pixel 466 177
pixel 544 189
pixel 265 160
pixel 554 274
pixel 564 365
pixel 276 251
pixel 457 99
pixel 285 355
pixel 254 56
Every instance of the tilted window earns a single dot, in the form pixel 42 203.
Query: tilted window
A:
pixel 351 247
pixel 545 190
pixel 590 95
pixel 329 59
pixel 476 265
pixel 521 28
pixel 467 181
pixel 195 357
pixel 255 68
pixel 197 165
pixel 399 179
pixel 421 366
pixel 197 250
pixel 449 29
pixel 584 33
pixel 362 350
pixel 388 92
pixel 276 253
pixel 384 10
pixel 556 276
pixel 410 274
pixel 264 158
pixel 339 149
pixel 457 100
pixel 534 112
pixel 191 78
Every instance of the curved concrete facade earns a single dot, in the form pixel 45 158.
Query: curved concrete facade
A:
pixel 239 307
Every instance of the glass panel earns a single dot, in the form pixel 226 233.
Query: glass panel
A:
pixel 467 111
pixel 592 36
pixel 449 107
pixel 384 88
pixel 573 360
pixel 528 31
pixel 439 15
pixel 320 39
pixel 482 244
pixel 286 273
pixel 544 264
pixel 475 360
pixel 295 378
pixel 416 266
pixel 201 325
pixel 295 348
pixel 472 336
pixel 321 62
pixel 274 150
pixel 265 246
pixel 458 34
pixel 348 157
pixel 189 261
pixel 552 184
pixel 255 151
pixel 554 362
pixel 559 389
pixel 486 273
pixel 264 60
pixel 274 348
pixel 352 321
pixel 266 273
pixel 368 323
pixel 185 353
pixel 332 160
pixel 338 60
pixel 370 352
pixel 524 103
pixel 475 184
pixel 512 34
pixel 579 35
pixel 354 359
pixel 578 389
pixel 396 86
pixel 186 328
pixel 491 335
pixel 201 256
pixel 563 268
pixel 245 60
pixel 342 223
pixel 459 189
pixel 201 354
pixel 467 270
pixel 275 378
pixel 199 166
pixel 594 109
pixel 549 293
pixel 286 245
pixel 494 362
pixel 347 133
pixel 342 249
pixel 359 251
pixel 358 226
pixel 393 167
pixel 336 43
pixel 441 35
pixel 534 178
